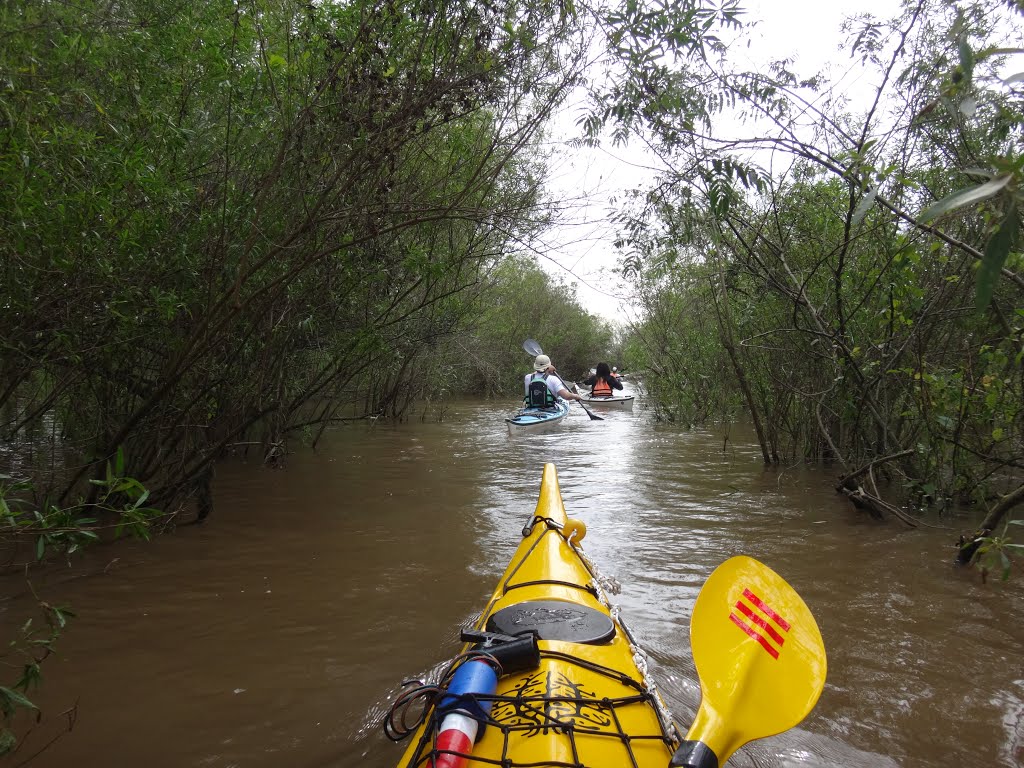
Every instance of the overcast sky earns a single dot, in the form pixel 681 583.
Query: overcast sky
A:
pixel 583 253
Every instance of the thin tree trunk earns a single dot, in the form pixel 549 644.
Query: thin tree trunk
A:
pixel 995 515
pixel 725 328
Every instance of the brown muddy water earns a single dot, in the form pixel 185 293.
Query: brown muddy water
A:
pixel 278 633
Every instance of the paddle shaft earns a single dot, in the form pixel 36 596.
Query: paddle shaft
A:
pixel 694 754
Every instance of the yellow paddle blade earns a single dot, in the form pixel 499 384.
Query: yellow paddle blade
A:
pixel 759 656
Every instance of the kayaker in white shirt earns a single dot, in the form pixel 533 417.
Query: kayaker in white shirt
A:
pixel 542 366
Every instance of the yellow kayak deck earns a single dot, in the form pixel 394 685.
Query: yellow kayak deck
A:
pixel 587 702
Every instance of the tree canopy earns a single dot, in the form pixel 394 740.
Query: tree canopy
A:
pixel 854 266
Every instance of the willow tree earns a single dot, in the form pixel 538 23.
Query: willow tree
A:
pixel 516 299
pixel 223 222
pixel 868 294
pixel 218 217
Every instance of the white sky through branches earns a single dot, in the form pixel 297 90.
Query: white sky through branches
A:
pixel 590 183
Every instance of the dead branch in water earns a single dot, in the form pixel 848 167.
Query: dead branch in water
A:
pixel 872 501
pixel 969 545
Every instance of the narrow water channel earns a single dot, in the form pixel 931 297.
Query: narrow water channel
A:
pixel 277 633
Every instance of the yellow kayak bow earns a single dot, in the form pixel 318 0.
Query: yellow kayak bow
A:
pixel 550 675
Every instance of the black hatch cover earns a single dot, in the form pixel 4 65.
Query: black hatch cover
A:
pixel 553 620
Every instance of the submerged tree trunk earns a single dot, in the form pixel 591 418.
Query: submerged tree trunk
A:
pixel 872 501
pixel 768 453
pixel 969 545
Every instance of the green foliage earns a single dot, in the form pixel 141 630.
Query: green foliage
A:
pixel 995 553
pixel 62 531
pixel 118 507
pixel 648 41
pixel 848 325
pixel 518 300
pixel 229 223
pixel 1005 229
pixel 686 372
pixel 31 646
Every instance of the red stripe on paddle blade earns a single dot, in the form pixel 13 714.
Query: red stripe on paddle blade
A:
pixel 768 628
pixel 754 634
pixel 768 611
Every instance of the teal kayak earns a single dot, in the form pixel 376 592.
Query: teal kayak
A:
pixel 537 419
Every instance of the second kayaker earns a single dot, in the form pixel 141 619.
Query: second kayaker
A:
pixel 602 382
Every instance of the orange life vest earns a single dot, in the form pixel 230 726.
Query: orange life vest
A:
pixel 601 388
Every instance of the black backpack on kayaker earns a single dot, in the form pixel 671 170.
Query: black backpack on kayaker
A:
pixel 537 394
